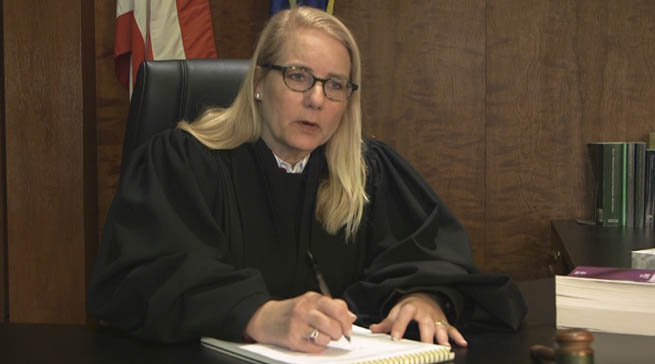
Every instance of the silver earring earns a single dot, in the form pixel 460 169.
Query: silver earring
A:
pixel 258 96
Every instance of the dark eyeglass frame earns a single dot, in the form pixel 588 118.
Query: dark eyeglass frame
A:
pixel 350 85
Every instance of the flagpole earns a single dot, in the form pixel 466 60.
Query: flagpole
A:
pixel 147 40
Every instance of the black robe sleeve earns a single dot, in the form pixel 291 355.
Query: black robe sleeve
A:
pixel 163 271
pixel 414 244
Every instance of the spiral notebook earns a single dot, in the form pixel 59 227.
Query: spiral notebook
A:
pixel 365 348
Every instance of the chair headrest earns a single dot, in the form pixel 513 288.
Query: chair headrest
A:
pixel 169 91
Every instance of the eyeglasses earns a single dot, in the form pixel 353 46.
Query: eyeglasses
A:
pixel 300 79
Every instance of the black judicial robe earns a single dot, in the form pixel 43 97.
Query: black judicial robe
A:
pixel 197 239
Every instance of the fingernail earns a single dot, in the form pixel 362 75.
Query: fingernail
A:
pixel 395 336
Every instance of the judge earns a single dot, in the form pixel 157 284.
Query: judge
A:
pixel 211 224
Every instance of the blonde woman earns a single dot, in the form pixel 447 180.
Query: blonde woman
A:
pixel 211 225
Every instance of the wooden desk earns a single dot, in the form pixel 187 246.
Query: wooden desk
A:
pixel 34 343
pixel 578 244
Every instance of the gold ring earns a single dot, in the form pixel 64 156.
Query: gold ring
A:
pixel 313 337
pixel 441 323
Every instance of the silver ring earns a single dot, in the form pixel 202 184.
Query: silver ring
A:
pixel 313 337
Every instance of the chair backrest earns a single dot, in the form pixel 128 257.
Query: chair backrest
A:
pixel 169 91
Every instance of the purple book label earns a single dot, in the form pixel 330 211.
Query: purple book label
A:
pixel 615 274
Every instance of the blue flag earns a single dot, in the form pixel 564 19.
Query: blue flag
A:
pixel 277 5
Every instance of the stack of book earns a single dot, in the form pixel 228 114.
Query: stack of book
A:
pixel 618 300
pixel 624 183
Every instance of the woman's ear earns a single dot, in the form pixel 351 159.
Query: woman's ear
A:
pixel 259 80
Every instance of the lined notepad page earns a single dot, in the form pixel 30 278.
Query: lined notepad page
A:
pixel 365 347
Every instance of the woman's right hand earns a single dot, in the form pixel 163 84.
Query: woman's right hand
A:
pixel 290 322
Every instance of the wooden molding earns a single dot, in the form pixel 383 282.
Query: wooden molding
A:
pixel 50 157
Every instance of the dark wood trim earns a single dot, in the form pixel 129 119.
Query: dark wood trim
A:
pixel 50 157
pixel 4 298
pixel 90 143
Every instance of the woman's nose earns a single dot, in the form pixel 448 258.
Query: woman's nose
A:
pixel 315 96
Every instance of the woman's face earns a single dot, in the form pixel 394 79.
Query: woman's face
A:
pixel 296 123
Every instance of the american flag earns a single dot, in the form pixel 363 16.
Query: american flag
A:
pixel 160 29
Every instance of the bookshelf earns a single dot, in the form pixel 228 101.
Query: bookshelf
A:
pixel 576 244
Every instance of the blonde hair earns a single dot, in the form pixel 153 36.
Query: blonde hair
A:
pixel 341 197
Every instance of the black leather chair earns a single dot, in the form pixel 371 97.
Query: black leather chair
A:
pixel 169 91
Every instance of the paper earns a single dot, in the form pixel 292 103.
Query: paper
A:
pixel 364 346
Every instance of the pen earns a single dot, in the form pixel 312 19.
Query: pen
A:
pixel 321 281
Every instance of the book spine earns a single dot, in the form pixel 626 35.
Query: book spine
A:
pixel 615 274
pixel 649 192
pixel 612 186
pixel 596 157
pixel 640 182
pixel 629 184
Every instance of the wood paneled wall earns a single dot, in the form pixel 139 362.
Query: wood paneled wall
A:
pixel 424 93
pixel 559 74
pixel 50 157
pixel 492 101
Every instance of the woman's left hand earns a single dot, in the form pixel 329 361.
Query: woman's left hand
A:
pixel 431 320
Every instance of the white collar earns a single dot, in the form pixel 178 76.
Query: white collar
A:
pixel 298 168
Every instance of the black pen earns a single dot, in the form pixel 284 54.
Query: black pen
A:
pixel 321 281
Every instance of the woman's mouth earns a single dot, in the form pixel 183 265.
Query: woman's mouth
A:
pixel 309 125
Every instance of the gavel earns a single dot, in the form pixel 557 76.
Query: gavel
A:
pixel 573 347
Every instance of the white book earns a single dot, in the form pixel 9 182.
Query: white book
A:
pixel 618 300
pixel 643 259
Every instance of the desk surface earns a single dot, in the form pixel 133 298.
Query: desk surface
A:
pixel 600 246
pixel 34 343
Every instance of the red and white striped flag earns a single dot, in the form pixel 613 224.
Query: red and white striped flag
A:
pixel 165 29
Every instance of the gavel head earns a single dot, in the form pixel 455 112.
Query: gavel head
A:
pixel 574 347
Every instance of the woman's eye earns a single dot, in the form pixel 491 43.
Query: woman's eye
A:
pixel 297 76
pixel 336 84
